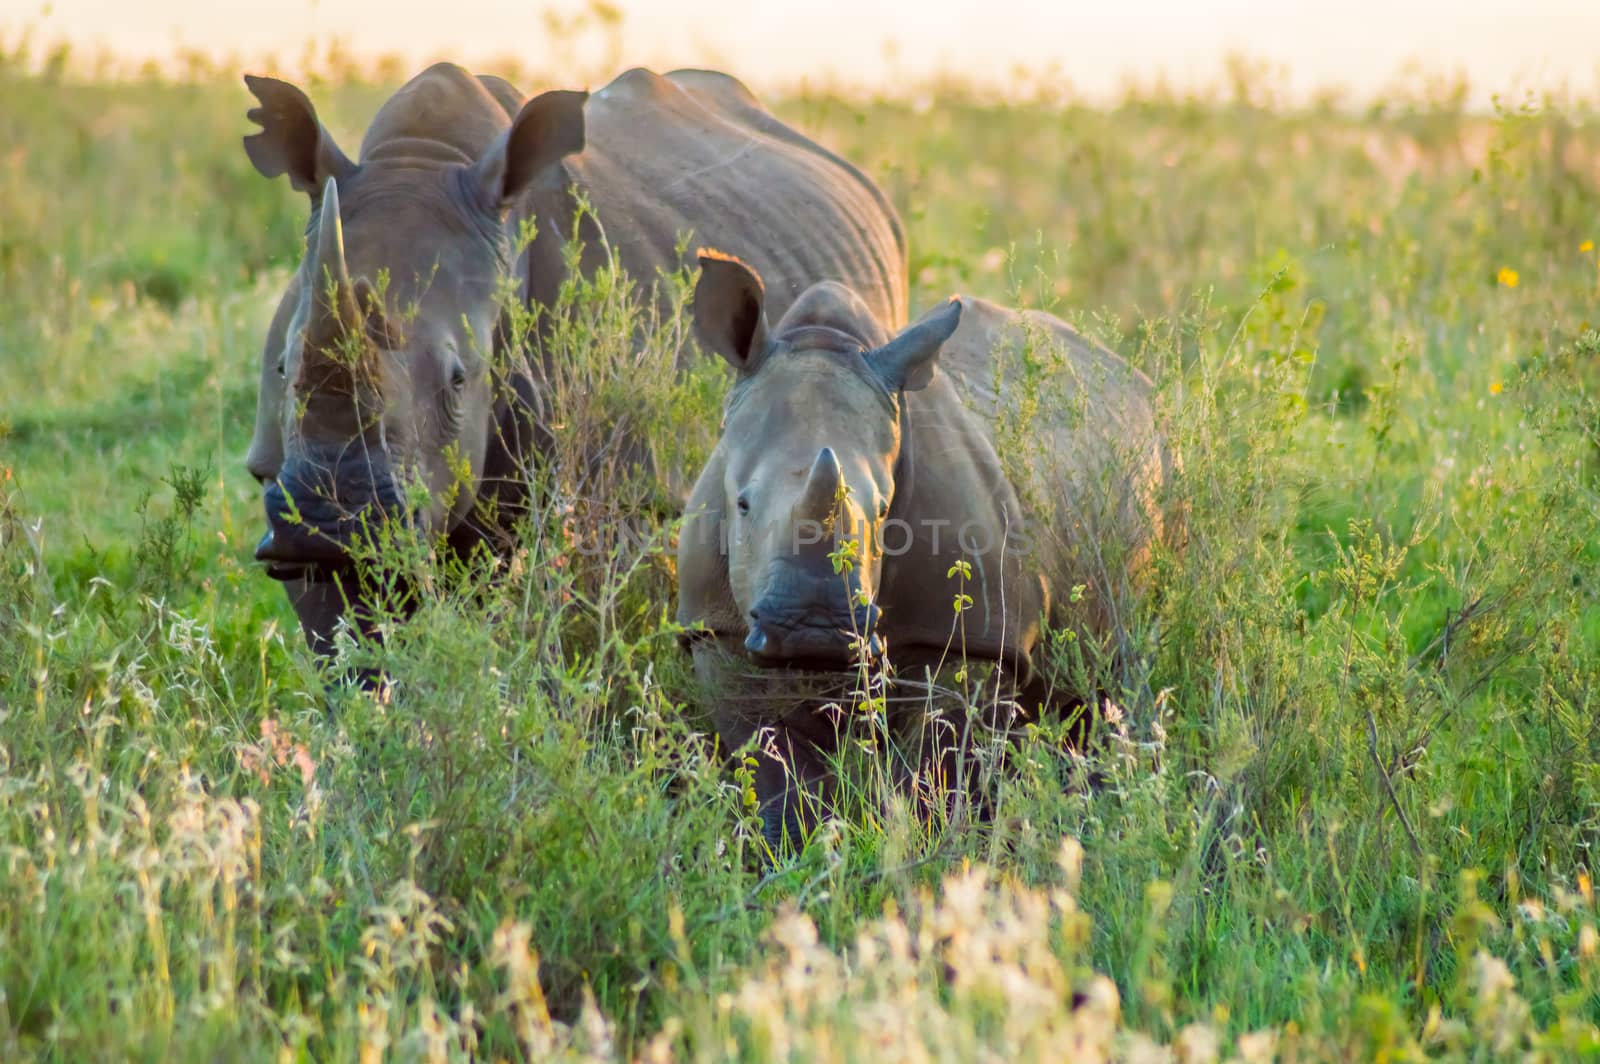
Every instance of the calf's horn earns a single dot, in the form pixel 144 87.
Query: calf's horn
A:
pixel 820 497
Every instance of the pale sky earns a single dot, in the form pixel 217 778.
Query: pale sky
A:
pixel 1503 45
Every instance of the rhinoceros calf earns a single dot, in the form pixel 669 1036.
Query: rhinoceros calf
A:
pixel 859 473
pixel 372 389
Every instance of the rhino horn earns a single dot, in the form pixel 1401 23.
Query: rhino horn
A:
pixel 335 312
pixel 820 498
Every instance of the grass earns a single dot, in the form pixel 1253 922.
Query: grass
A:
pixel 1351 768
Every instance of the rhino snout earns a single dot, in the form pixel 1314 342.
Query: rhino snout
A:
pixel 781 634
pixel 316 512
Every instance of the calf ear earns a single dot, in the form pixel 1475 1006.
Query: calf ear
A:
pixel 548 128
pixel 730 314
pixel 905 363
pixel 292 140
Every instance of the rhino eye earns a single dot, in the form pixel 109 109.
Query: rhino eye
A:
pixel 743 505
pixel 883 509
pixel 282 365
pixel 458 377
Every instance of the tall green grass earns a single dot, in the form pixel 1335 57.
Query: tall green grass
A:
pixel 1349 776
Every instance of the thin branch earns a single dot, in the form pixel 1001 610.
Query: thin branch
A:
pixel 1388 785
pixel 1463 616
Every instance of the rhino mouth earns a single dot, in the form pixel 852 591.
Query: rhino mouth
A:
pixel 772 644
pixel 305 572
pixel 301 554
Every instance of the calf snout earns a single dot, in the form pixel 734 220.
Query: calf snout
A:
pixel 824 632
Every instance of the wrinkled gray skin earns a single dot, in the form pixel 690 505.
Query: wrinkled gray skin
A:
pixel 376 373
pixel 835 431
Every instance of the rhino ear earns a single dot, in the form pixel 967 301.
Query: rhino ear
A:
pixel 730 314
pixel 906 363
pixel 292 140
pixel 548 128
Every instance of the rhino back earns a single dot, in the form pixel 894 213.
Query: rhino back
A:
pixel 695 154
pixel 1044 447
pixel 953 503
pixel 1076 430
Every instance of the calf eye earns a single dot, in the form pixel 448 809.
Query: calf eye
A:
pixel 458 377
pixel 282 365
pixel 883 509
pixel 744 506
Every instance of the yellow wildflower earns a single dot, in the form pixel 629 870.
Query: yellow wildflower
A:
pixel 1495 388
pixel 1508 277
pixel 1586 246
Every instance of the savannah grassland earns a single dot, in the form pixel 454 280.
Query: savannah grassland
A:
pixel 1349 781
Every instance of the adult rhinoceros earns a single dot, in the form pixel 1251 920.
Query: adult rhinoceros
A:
pixel 863 480
pixel 360 404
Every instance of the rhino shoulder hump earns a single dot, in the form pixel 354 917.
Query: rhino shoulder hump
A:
pixel 638 82
pixel 444 69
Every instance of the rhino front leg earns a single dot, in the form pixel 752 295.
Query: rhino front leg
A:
pixel 953 743
pixel 794 783
pixel 774 717
pixel 321 604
